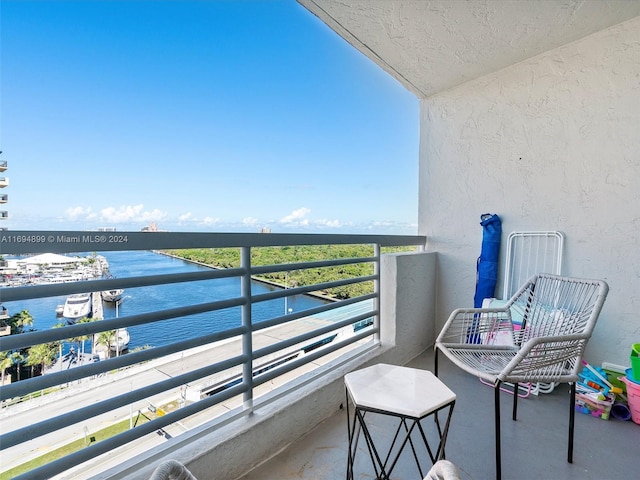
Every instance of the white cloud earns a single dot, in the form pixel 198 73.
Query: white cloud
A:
pixel 76 213
pixel 131 213
pixel 210 220
pixel 297 217
pixel 298 220
pixel 330 223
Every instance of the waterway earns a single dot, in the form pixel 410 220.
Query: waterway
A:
pixel 161 297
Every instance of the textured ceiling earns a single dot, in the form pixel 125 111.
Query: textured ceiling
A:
pixel 433 45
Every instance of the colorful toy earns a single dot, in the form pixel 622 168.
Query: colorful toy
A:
pixel 595 394
pixel 595 379
pixel 594 404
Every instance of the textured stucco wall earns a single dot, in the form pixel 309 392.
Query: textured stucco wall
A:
pixel 551 143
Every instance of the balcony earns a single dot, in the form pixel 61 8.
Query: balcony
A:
pixel 256 367
pixel 4 182
pixel 3 165
pixel 296 406
pixel 4 198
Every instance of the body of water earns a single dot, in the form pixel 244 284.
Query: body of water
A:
pixel 162 297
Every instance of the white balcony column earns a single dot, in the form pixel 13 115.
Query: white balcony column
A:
pixel 408 304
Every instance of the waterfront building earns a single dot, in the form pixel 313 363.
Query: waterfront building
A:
pixel 4 198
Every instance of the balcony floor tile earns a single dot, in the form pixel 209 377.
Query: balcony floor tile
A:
pixel 534 447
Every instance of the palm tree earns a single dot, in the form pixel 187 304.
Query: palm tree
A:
pixel 106 338
pixel 17 324
pixel 59 342
pixel 43 355
pixel 19 321
pixel 17 358
pixel 5 362
pixel 82 338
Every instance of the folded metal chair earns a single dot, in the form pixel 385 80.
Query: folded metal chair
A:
pixel 529 253
pixel 171 470
pixel 558 315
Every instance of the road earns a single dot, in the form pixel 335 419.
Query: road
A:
pixel 89 391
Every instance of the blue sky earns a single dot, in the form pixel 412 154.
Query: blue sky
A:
pixel 199 116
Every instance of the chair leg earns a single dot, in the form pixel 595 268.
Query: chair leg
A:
pixel 572 415
pixel 496 390
pixel 435 372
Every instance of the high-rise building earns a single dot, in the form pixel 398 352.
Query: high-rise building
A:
pixel 4 198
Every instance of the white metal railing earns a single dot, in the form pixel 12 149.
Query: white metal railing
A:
pixel 254 363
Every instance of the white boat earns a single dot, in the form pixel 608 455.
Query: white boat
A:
pixel 120 340
pixel 59 310
pixel 77 306
pixel 112 295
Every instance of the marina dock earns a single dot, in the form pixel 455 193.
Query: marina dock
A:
pixel 96 306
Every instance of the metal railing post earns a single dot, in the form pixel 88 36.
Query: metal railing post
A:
pixel 376 290
pixel 247 344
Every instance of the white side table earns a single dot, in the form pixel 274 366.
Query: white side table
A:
pixel 409 394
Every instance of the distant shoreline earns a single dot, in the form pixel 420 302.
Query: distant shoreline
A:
pixel 253 277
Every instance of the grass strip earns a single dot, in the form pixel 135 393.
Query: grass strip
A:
pixel 69 448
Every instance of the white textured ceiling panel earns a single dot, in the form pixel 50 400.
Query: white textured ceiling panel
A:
pixel 433 45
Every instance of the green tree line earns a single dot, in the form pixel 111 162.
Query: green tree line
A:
pixel 230 258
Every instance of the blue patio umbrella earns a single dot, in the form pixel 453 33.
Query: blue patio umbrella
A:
pixel 487 266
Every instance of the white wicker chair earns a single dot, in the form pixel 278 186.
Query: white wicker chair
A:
pixel 555 319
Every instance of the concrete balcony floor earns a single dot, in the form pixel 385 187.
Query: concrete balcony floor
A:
pixel 533 447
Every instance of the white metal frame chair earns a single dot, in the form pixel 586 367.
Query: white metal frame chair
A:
pixel 529 253
pixel 558 317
